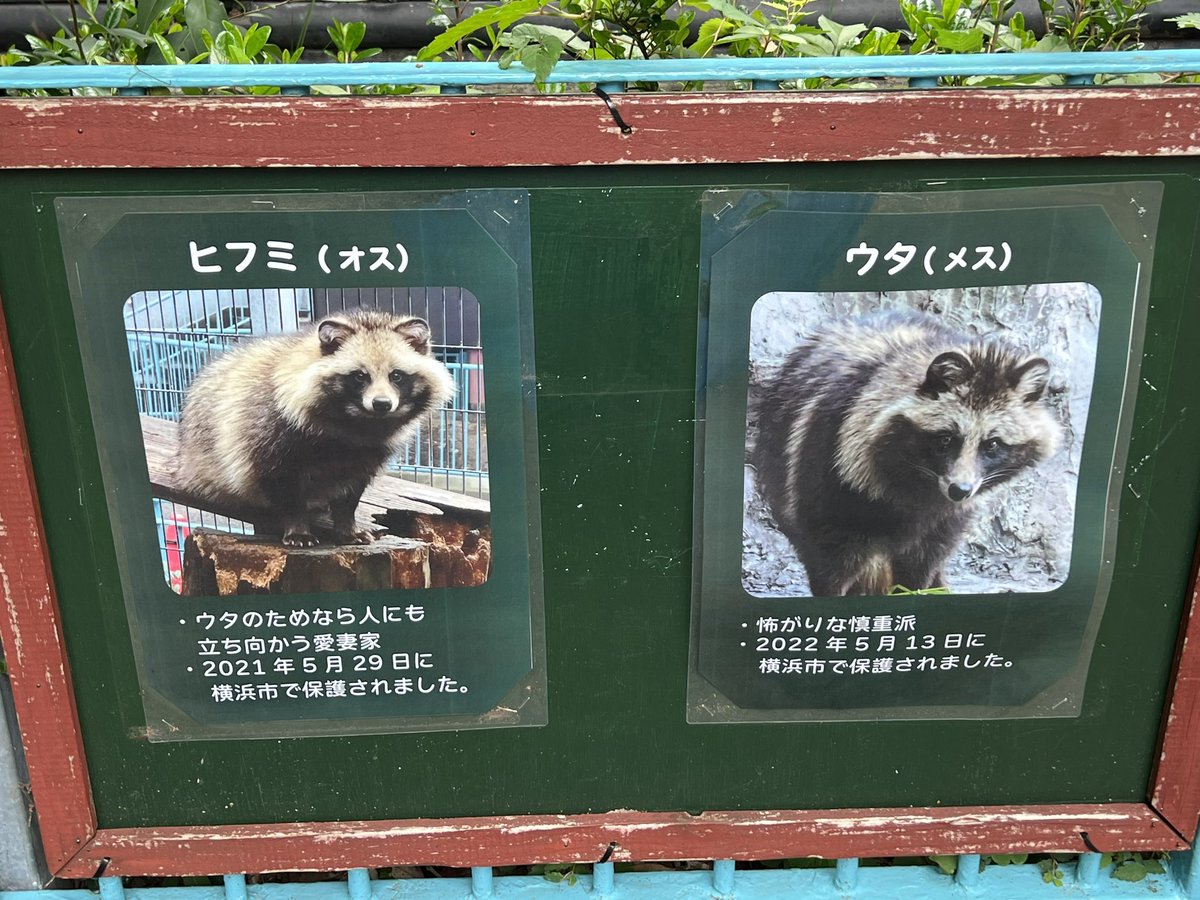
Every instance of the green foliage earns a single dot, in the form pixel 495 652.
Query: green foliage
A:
pixel 659 29
pixel 1134 866
pixel 491 21
pixel 1096 24
pixel 590 29
pixel 1007 859
pixel 232 44
pixel 114 32
pixel 899 590
pixel 347 37
pixel 560 873
pixel 1051 871
pixel 175 32
pixel 170 32
pixel 948 865
pixel 187 31
pixel 535 47
pixel 780 29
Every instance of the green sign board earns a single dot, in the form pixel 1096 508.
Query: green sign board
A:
pixel 635 495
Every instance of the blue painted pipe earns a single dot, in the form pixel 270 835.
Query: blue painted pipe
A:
pixel 612 71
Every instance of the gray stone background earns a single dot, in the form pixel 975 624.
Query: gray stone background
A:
pixel 1021 538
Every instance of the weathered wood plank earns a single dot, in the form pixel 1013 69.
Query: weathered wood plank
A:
pixel 31 630
pixel 637 836
pixel 1175 790
pixel 564 130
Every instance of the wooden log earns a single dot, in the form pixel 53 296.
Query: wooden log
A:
pixel 460 547
pixel 220 564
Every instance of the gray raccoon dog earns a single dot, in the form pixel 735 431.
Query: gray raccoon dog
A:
pixel 877 438
pixel 296 426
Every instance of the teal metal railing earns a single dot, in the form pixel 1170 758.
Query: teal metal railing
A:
pixel 920 71
pixel 846 880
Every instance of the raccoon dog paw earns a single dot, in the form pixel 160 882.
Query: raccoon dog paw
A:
pixel 299 539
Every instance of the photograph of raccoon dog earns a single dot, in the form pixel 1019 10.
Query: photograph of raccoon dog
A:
pixel 313 439
pixel 923 441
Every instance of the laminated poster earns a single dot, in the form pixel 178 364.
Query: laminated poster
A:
pixel 913 410
pixel 318 445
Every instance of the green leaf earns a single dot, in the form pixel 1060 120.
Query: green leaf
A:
pixel 880 42
pixel 1187 20
pixel 948 864
pixel 165 50
pixel 256 38
pixel 843 35
pixel 1009 859
pixel 810 44
pixel 129 34
pixel 354 32
pixel 499 16
pixel 1134 870
pixel 148 11
pixel 753 30
pixel 200 16
pixel 959 41
pixel 730 11
pixel 706 37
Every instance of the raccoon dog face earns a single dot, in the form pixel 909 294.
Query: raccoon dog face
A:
pixel 975 420
pixel 375 366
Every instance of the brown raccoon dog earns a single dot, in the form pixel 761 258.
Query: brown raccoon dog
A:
pixel 877 437
pixel 298 425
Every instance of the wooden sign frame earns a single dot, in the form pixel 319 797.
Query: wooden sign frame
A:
pixel 175 132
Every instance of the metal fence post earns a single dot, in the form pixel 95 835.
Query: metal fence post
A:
pixel 20 863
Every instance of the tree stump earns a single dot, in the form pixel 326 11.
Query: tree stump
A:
pixel 460 547
pixel 220 564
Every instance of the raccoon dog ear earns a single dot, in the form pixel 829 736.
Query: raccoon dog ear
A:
pixel 332 334
pixel 948 370
pixel 416 332
pixel 1030 378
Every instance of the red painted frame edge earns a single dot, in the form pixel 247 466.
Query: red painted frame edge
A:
pixel 33 643
pixel 475 131
pixel 638 836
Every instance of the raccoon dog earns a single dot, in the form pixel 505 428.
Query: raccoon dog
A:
pixel 298 425
pixel 877 437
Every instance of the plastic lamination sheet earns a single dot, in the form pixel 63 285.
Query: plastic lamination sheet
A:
pixel 912 419
pixel 317 437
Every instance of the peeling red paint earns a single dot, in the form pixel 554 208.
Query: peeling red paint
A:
pixel 639 836
pixel 475 130
pixel 33 645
